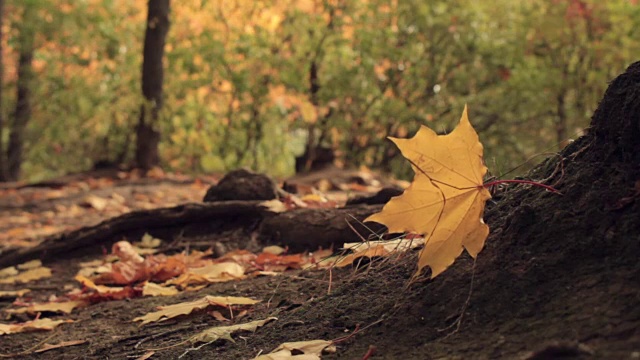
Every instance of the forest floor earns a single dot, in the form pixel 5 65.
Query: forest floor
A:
pixel 536 306
pixel 559 276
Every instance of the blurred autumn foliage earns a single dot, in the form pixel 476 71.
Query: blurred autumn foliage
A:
pixel 256 83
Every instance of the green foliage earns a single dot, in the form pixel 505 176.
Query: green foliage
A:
pixel 237 81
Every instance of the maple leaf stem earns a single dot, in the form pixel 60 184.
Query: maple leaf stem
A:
pixel 529 182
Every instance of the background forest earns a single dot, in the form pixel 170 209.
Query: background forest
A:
pixel 256 83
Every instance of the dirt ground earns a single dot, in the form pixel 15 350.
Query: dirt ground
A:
pixel 558 278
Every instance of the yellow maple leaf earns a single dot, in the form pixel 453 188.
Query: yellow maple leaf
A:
pixel 446 199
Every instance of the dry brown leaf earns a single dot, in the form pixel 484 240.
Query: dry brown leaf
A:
pixel 13 293
pixel 47 347
pixel 149 242
pixel 274 249
pixel 321 259
pixel 162 268
pixel 401 244
pixel 57 307
pixel 8 271
pixel 377 248
pixel 153 289
pixel 171 311
pixel 270 262
pixel 313 198
pixel 224 332
pixel 368 252
pixel 244 257
pixel 131 266
pixel 35 325
pixel 219 272
pixel 100 289
pixel 299 350
pixel 218 316
pixel 95 202
pixel 94 268
pixel 27 276
pixel 33 264
pixel 118 198
pixel 95 263
pixel 275 206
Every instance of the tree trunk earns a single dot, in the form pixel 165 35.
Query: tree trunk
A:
pixel 22 112
pixel 3 164
pixel 560 122
pixel 148 135
pixel 312 144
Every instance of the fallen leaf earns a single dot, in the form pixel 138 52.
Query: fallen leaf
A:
pixel 95 202
pixel 35 325
pixel 13 293
pixel 93 268
pixel 57 307
pixel 162 268
pixel 27 276
pixel 270 262
pixel 313 198
pixel 302 350
pixel 238 256
pixel 219 272
pixel 446 200
pixel 241 314
pixel 320 259
pixel 267 273
pixel 218 316
pixel 118 198
pixel 274 205
pixel 8 271
pixel 171 311
pixel 224 332
pixel 368 252
pixel 402 244
pixel 47 347
pixel 148 242
pixel 131 266
pixel 101 289
pixel 274 249
pixel 33 264
pixel 153 289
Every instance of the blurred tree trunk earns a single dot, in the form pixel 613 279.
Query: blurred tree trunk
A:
pixel 560 121
pixel 147 132
pixel 22 112
pixel 3 164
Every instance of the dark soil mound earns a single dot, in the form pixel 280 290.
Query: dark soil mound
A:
pixel 559 275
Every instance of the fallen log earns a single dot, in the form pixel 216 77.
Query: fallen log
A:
pixel 299 229
pixel 309 229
